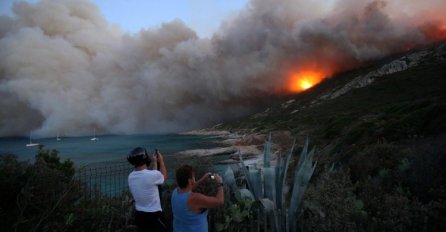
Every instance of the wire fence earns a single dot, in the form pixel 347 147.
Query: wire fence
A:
pixel 110 180
pixel 104 179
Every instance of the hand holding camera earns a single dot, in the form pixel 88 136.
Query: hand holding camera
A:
pixel 216 177
pixel 158 157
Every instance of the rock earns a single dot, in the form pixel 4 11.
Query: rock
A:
pixel 208 152
pixel 398 65
pixel 207 132
pixel 250 139
pixel 248 145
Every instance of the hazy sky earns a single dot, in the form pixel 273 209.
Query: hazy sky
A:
pixel 66 66
pixel 203 16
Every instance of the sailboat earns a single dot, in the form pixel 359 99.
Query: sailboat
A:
pixel 94 136
pixel 58 138
pixel 31 144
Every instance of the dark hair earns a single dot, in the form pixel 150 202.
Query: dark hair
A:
pixel 138 156
pixel 184 173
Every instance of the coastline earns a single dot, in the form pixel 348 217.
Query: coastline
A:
pixel 234 143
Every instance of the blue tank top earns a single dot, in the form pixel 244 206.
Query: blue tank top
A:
pixel 184 219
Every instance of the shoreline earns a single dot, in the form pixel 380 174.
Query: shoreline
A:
pixel 233 144
pixel 250 145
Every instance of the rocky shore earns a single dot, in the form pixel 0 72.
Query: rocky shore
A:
pixel 248 145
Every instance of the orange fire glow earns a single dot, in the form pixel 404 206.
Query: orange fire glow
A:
pixel 303 80
pixel 435 31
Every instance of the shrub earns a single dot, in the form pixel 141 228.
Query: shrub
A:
pixel 45 196
pixel 13 177
pixel 331 205
pixel 267 188
pixel 48 194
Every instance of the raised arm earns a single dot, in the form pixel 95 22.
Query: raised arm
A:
pixel 202 179
pixel 158 158
pixel 199 201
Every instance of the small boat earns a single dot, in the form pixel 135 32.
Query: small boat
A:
pixel 31 144
pixel 94 136
pixel 58 138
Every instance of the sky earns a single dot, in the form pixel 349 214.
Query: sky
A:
pixel 65 66
pixel 203 16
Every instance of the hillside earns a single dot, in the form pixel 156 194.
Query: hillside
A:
pixel 393 87
pixel 380 135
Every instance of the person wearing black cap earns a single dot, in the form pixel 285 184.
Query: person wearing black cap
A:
pixel 143 185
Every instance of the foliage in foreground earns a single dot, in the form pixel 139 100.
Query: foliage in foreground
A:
pixel 268 187
pixel 380 187
pixel 45 196
pixel 386 143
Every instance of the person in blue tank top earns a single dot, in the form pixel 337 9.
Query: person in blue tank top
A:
pixel 190 208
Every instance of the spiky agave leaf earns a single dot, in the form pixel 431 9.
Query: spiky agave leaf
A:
pixel 245 172
pixel 245 193
pixel 277 181
pixel 268 205
pixel 283 174
pixel 267 152
pixel 269 177
pixel 274 182
pixel 301 179
pixel 303 154
pixel 270 208
pixel 255 179
pixel 278 168
pixel 229 179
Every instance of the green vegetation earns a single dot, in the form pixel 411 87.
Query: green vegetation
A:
pixel 397 189
pixel 45 196
pixel 381 159
pixel 382 149
pixel 267 186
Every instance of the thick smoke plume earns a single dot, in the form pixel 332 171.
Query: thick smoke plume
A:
pixel 64 68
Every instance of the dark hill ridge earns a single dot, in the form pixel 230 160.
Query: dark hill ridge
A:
pixel 399 98
pixel 380 134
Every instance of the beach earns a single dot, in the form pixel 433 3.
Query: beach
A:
pixel 234 144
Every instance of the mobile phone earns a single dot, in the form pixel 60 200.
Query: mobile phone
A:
pixel 212 176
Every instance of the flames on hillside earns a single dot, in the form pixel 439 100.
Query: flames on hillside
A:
pixel 67 50
pixel 435 31
pixel 304 79
pixel 307 76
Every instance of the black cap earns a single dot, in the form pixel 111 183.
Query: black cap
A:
pixel 138 156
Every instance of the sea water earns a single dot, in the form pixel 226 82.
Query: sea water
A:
pixel 109 154
pixel 109 148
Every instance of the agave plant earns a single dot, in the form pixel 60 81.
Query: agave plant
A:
pixel 268 185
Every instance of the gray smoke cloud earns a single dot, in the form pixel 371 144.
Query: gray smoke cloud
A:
pixel 64 68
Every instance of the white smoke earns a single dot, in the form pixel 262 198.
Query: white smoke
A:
pixel 64 69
